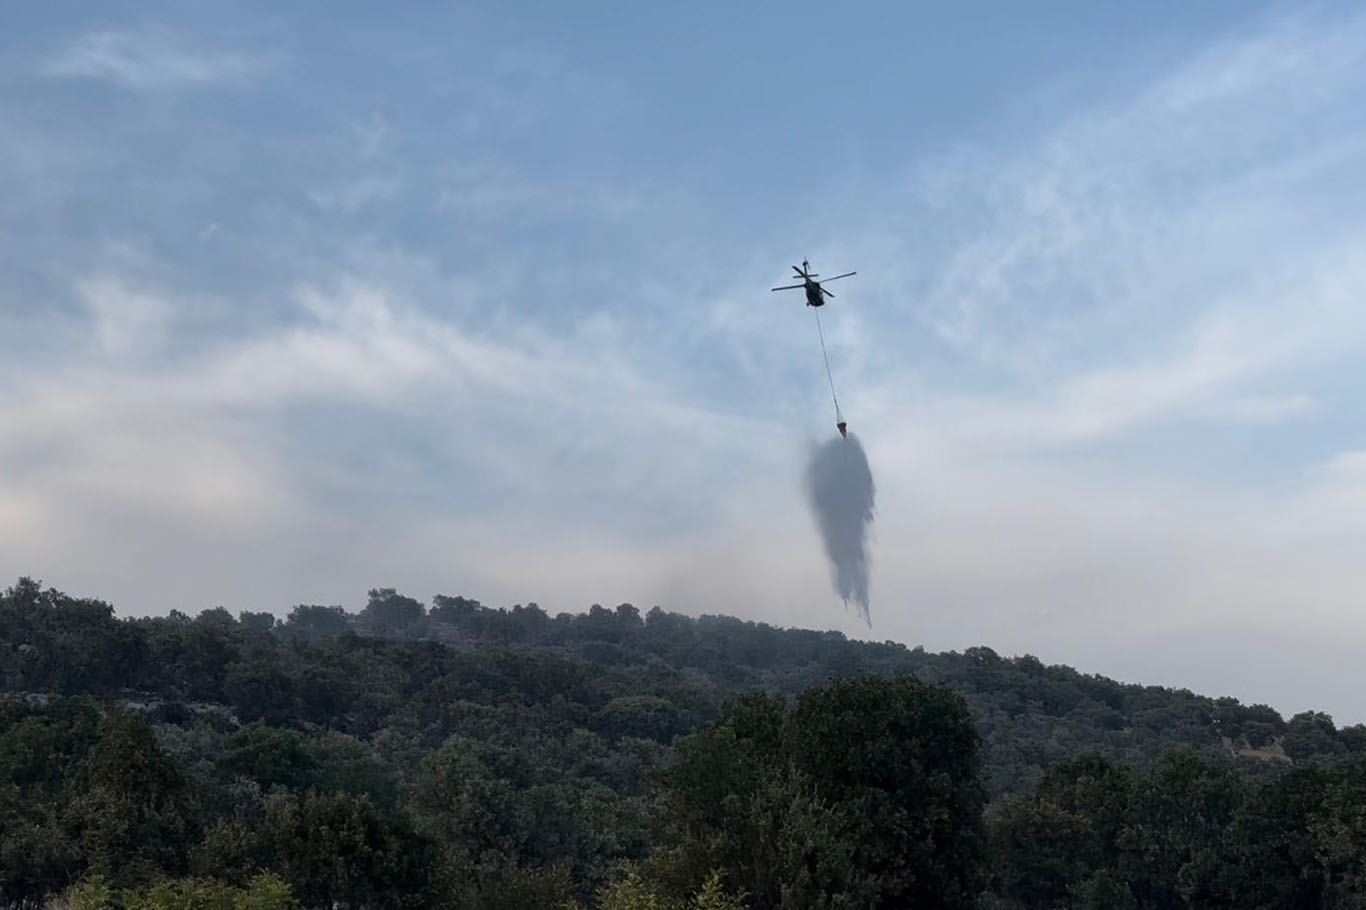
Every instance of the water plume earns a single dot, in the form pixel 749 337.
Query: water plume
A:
pixel 840 486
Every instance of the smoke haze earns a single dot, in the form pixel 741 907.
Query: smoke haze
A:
pixel 840 486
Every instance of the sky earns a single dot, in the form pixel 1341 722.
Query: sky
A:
pixel 300 300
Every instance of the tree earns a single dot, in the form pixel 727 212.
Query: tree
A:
pixel 1172 835
pixel 453 610
pixel 522 887
pixel 644 717
pixel 38 855
pixel 390 613
pixel 312 622
pixel 631 892
pixel 1311 734
pixel 899 759
pixel 1272 857
pixel 216 616
pixel 1049 847
pixel 261 623
pixel 270 756
pixel 714 895
pixel 263 892
pixel 1339 835
pixel 259 685
pixel 339 848
pixel 134 820
pixel 867 793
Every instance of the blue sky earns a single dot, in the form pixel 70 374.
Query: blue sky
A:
pixel 475 300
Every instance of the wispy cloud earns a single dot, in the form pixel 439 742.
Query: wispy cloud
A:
pixel 125 319
pixel 154 58
pixel 1129 221
pixel 1164 256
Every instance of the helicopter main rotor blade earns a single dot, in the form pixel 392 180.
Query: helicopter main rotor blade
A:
pixel 845 275
pixel 825 292
pixel 788 287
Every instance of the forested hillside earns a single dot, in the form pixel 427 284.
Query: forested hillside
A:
pixel 457 755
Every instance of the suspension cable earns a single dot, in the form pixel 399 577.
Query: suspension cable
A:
pixel 828 375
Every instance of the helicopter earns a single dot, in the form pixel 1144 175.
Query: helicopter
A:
pixel 815 294
pixel 815 297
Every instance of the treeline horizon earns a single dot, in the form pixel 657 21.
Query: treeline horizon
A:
pixel 1064 707
pixel 468 756
pixel 458 620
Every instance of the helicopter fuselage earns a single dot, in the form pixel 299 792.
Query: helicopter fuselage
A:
pixel 814 297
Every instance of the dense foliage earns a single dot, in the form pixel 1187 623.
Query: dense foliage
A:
pixel 474 757
pixel 866 794
pixel 1183 832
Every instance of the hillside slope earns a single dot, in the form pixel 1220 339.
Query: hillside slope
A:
pixel 653 676
pixel 457 755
